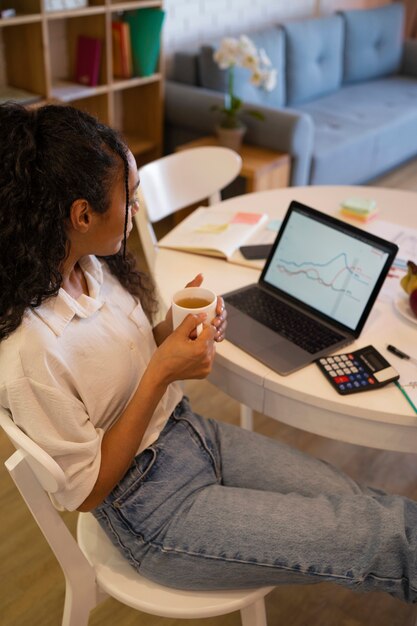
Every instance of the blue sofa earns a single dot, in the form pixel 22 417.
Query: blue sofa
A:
pixel 345 104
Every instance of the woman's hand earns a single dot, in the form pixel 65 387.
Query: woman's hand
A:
pixel 220 321
pixel 180 357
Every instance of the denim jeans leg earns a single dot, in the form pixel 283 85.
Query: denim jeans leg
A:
pixel 254 461
pixel 234 537
pixel 217 507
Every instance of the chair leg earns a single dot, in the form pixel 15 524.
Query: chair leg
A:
pixel 75 615
pixel 254 614
pixel 214 198
pixel 246 417
pixel 79 602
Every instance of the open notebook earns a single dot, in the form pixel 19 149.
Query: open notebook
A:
pixel 215 232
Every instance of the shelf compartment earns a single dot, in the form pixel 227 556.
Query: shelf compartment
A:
pixel 63 36
pixel 120 83
pixel 96 105
pixel 23 56
pixel 68 91
pixel 138 115
pixel 139 146
pixel 22 8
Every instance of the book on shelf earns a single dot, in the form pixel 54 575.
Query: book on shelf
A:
pixel 214 232
pixel 145 30
pixel 88 58
pixel 121 50
pixel 64 5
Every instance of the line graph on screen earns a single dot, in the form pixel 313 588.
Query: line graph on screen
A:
pixel 336 273
pixel 326 268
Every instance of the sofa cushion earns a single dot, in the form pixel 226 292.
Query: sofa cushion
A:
pixel 184 68
pixel 363 130
pixel 373 42
pixel 314 55
pixel 212 77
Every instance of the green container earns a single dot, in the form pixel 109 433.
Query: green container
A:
pixel 145 36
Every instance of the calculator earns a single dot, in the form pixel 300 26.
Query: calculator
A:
pixel 361 370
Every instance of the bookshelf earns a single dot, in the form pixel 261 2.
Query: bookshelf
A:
pixel 38 55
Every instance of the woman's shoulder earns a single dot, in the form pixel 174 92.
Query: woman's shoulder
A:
pixel 23 346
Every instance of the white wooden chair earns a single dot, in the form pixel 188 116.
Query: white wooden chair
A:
pixel 179 180
pixel 93 567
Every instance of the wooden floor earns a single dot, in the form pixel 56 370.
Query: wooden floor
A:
pixel 32 586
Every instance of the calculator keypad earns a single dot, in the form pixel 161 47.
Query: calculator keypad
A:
pixel 346 373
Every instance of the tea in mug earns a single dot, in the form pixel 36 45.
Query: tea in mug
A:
pixel 192 303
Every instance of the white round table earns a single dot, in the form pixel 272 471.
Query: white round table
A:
pixel 382 418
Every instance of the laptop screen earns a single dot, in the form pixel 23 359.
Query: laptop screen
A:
pixel 327 265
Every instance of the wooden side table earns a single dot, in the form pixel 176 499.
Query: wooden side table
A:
pixel 261 168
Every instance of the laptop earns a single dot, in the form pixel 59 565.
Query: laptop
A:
pixel 315 293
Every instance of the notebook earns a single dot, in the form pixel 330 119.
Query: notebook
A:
pixel 315 292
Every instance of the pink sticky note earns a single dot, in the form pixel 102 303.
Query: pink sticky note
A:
pixel 246 218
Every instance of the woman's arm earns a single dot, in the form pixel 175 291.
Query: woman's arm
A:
pixel 177 358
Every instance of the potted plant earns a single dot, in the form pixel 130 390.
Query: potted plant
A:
pixel 240 52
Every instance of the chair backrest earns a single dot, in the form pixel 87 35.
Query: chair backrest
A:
pixel 36 475
pixel 47 471
pixel 186 177
pixel 178 181
pixel 146 232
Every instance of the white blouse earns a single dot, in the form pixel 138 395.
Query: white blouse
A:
pixel 69 370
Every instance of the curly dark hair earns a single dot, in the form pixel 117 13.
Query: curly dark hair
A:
pixel 50 157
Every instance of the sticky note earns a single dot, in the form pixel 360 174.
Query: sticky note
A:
pixel 212 229
pixel 246 218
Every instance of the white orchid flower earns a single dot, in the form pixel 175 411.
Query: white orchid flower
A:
pixel 228 53
pixel 256 78
pixel 264 58
pixel 270 80
pixel 247 46
pixel 242 52
pixel 251 62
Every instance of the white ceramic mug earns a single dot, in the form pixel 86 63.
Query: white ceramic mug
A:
pixel 181 308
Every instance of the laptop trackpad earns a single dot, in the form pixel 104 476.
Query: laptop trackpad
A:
pixel 249 334
pixel 264 344
pixel 283 356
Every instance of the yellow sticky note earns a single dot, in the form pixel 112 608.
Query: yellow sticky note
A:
pixel 213 229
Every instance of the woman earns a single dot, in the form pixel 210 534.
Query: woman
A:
pixel 190 502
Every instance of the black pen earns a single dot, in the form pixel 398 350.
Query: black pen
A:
pixel 400 354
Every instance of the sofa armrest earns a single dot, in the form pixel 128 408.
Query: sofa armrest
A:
pixel 409 64
pixel 284 130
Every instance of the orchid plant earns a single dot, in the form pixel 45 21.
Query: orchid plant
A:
pixel 242 52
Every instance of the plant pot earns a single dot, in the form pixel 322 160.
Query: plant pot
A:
pixel 231 137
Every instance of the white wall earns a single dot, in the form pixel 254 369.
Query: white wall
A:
pixel 190 22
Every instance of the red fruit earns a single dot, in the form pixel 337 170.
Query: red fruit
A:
pixel 413 301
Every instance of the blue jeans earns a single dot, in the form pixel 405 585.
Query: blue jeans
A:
pixel 211 506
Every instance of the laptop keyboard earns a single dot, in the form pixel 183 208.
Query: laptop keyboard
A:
pixel 284 320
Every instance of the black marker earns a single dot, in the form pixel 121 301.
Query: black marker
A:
pixel 401 355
